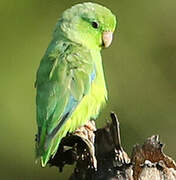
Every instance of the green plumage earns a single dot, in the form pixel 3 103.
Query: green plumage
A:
pixel 70 81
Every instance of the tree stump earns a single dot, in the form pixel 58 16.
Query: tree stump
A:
pixel 99 156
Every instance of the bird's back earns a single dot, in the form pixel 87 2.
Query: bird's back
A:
pixel 70 91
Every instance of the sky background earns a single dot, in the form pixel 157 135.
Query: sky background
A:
pixel 140 69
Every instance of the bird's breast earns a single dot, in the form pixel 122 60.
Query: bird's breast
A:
pixel 90 105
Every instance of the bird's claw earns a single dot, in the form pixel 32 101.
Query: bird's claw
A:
pixel 86 133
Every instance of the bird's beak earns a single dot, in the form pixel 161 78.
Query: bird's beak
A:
pixel 107 39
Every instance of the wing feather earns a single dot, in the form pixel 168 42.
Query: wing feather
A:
pixel 64 77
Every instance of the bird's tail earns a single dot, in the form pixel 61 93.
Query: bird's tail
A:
pixel 43 154
pixel 46 148
pixel 43 147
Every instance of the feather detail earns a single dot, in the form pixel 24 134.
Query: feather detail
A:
pixel 70 81
pixel 68 88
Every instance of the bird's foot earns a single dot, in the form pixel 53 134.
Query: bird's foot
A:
pixel 86 133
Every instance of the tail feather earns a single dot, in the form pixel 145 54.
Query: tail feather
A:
pixel 47 150
pixel 48 145
pixel 43 151
pixel 45 157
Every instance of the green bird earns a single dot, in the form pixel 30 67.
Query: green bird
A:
pixel 70 82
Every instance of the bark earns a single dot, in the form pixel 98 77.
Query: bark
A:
pixel 99 156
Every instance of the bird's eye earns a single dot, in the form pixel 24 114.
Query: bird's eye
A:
pixel 94 24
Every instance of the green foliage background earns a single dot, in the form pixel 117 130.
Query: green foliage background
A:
pixel 140 70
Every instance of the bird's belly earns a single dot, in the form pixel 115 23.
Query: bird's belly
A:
pixel 89 107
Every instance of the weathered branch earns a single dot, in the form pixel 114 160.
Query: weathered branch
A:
pixel 105 158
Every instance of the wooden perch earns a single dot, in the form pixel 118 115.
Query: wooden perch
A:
pixel 103 158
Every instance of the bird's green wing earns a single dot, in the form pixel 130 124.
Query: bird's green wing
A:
pixel 63 79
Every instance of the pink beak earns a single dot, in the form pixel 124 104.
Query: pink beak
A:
pixel 107 39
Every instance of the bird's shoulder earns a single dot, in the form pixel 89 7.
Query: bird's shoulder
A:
pixel 63 55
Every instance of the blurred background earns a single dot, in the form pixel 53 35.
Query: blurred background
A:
pixel 140 69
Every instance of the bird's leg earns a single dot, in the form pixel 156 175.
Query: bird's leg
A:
pixel 86 133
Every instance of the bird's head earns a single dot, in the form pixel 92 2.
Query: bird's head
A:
pixel 88 24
